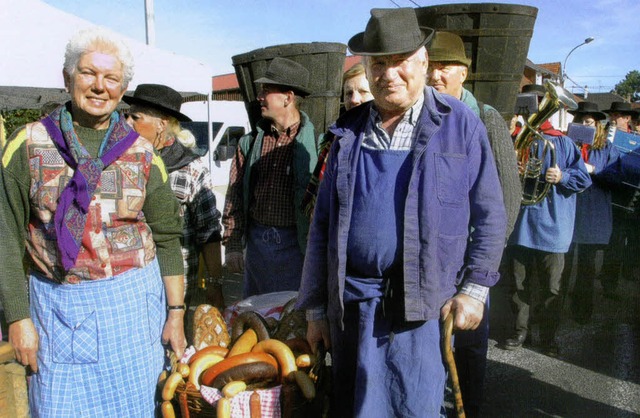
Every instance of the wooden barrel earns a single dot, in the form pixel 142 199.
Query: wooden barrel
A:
pixel 324 61
pixel 496 38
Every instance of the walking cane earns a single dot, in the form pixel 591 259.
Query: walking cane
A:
pixel 451 364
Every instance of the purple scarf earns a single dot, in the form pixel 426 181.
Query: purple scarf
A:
pixel 71 213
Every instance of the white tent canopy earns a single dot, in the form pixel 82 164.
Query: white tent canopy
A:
pixel 33 36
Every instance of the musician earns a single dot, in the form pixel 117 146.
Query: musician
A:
pixel 620 115
pixel 594 217
pixel 621 254
pixel 542 236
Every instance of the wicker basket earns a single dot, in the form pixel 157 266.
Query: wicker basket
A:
pixel 190 403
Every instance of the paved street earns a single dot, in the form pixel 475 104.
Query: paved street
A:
pixel 596 375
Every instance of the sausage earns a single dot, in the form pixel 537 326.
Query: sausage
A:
pixel 249 319
pixel 257 372
pixel 223 409
pixel 210 375
pixel 304 382
pixel 245 343
pixel 255 407
pixel 200 365
pixel 170 386
pixel 232 388
pixel 299 345
pixel 281 352
pixel 212 349
pixel 305 360
pixel 183 369
pixel 167 410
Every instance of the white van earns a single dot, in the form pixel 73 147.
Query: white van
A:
pixel 229 122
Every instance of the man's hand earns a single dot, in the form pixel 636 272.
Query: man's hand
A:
pixel 467 311
pixel 234 262
pixel 318 331
pixel 24 339
pixel 173 332
pixel 553 175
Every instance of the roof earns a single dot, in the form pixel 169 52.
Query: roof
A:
pixel 18 97
pixel 603 100
pixel 541 68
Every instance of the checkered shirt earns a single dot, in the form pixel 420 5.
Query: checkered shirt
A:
pixel 201 219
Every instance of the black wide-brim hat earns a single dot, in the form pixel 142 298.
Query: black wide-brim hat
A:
pixel 621 107
pixel 287 73
pixel 588 108
pixel 391 32
pixel 159 97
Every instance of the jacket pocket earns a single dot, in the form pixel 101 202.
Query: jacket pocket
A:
pixel 155 317
pixel 75 338
pixel 451 179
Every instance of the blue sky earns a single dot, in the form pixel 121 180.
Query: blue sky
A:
pixel 212 31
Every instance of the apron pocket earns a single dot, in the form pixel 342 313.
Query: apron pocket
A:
pixel 74 340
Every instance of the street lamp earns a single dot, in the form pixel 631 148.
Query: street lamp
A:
pixel 564 64
pixel 563 75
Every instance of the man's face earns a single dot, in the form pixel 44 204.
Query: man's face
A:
pixel 356 91
pixel 96 88
pixel 447 77
pixel 620 120
pixel 273 101
pixel 396 81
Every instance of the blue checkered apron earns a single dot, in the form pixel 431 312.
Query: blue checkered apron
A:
pixel 100 352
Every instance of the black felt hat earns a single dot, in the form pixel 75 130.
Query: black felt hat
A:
pixel 160 97
pixel 288 73
pixel 588 108
pixel 621 107
pixel 390 32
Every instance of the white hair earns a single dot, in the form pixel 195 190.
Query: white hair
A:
pixel 98 40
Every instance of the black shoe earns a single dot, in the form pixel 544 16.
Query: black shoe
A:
pixel 516 341
pixel 550 349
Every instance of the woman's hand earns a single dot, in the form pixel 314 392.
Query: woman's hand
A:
pixel 25 341
pixel 173 332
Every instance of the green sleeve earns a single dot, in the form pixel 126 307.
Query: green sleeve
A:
pixel 162 213
pixel 14 215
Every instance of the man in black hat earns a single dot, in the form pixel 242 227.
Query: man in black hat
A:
pixel 268 178
pixel 448 70
pixel 390 251
pixel 620 115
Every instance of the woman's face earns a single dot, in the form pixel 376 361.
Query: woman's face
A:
pixel 148 126
pixel 588 120
pixel 356 91
pixel 96 89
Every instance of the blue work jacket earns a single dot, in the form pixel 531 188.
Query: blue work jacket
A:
pixel 453 189
pixel 548 225
pixel 594 215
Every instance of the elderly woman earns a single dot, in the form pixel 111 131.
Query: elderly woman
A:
pixel 155 114
pixel 87 213
pixel 594 219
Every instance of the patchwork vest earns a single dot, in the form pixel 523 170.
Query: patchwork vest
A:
pixel 116 237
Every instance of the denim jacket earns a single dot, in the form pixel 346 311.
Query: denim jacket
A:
pixel 453 189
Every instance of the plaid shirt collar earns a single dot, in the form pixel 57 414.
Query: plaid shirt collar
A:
pixel 377 138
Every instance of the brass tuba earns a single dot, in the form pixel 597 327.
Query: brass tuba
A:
pixel 532 147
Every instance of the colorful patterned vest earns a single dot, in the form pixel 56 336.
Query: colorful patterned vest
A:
pixel 116 237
